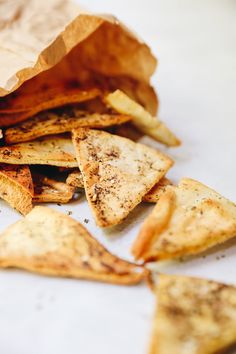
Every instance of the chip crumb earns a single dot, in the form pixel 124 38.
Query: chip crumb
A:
pixel 86 221
pixel 69 212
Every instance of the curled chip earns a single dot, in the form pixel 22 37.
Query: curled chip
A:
pixel 188 219
pixel 48 190
pixel 51 243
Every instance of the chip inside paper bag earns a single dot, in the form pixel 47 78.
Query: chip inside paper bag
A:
pixel 54 44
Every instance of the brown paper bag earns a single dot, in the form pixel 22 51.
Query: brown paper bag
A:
pixel 54 43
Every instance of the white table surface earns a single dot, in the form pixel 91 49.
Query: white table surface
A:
pixel 196 82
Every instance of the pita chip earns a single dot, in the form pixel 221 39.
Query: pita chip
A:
pixel 154 194
pixel 142 119
pixel 45 99
pixel 117 173
pixel 62 121
pixel 16 187
pixel 51 243
pixel 187 219
pixel 193 316
pixel 48 190
pixel 75 179
pixel 26 106
pixel 55 151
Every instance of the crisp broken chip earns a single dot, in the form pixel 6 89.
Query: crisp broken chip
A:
pixel 55 151
pixel 117 173
pixel 142 119
pixel 16 187
pixel 193 316
pixel 48 190
pixel 17 109
pixel 62 121
pixel 51 243
pixel 187 219
pixel 75 179
pixel 154 194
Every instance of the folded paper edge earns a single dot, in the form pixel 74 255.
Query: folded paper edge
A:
pixel 46 60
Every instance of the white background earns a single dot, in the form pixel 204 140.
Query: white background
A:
pixel 195 42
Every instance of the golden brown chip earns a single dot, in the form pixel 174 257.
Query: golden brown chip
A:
pixel 48 190
pixel 187 219
pixel 117 173
pixel 51 243
pixel 55 151
pixel 7 120
pixel 46 99
pixel 143 120
pixel 15 110
pixel 154 194
pixel 75 179
pixel 62 121
pixel 16 187
pixel 193 316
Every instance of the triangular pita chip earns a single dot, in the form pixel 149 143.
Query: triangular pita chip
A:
pixel 193 316
pixel 46 99
pixel 16 187
pixel 142 119
pixel 75 179
pixel 187 219
pixel 48 190
pixel 154 194
pixel 55 151
pixel 49 242
pixel 117 173
pixel 25 106
pixel 62 121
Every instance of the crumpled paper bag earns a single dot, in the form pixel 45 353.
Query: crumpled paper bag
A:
pixel 46 42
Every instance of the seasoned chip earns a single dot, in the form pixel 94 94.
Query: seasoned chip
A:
pixel 154 194
pixel 55 151
pixel 143 120
pixel 187 219
pixel 75 179
pixel 19 108
pixel 45 99
pixel 16 187
pixel 117 173
pixel 193 316
pixel 62 121
pixel 51 243
pixel 48 190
